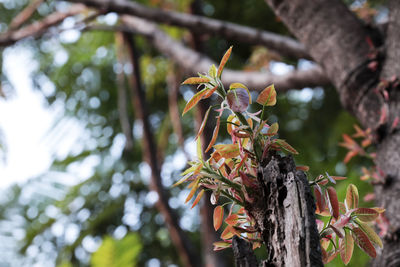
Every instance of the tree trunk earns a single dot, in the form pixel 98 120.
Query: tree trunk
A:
pixel 284 212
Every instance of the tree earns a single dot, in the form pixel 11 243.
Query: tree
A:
pixel 359 59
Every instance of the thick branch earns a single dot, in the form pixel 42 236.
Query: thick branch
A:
pixel 280 44
pixel 196 62
pixel 178 237
pixel 335 38
pixel 392 66
pixel 285 215
pixel 25 14
pixel 38 28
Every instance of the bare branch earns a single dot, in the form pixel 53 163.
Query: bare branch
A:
pixel 25 14
pixel 196 62
pixel 38 28
pixel 180 240
pixel 280 44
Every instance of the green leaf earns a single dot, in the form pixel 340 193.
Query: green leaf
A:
pixel 212 71
pixel 199 149
pixel 273 129
pixel 374 237
pixel 283 144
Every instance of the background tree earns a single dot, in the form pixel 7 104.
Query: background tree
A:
pixel 108 77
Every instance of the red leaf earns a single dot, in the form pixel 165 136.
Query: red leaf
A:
pixel 320 198
pixel 218 217
pixel 194 100
pixel 223 61
pixel 334 201
pixel 363 242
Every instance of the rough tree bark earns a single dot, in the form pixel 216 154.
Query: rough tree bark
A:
pixel 284 211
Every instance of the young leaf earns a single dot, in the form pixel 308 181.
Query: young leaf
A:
pixel 198 198
pixel 303 168
pixel 373 237
pixel 232 219
pixel 203 124
pixel 320 198
pixel 334 202
pixel 351 197
pixel 196 80
pixel 346 247
pixel 240 85
pixel 363 242
pixel 215 135
pixel 223 61
pixel 210 92
pixel 283 144
pixel 365 214
pixel 199 149
pixel 228 150
pixel 273 129
pixel 193 101
pixel 228 232
pixel 220 245
pixel 212 71
pixel 267 97
pixel 218 217
pixel 194 188
pixel 238 100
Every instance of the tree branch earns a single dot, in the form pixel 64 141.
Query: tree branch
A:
pixel 180 240
pixel 25 14
pixel 280 44
pixel 391 66
pixel 196 62
pixel 38 28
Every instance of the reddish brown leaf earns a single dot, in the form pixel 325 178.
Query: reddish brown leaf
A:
pixel 303 168
pixel 218 217
pixel 363 242
pixel 334 201
pixel 194 100
pixel 373 237
pixel 194 188
pixel 320 198
pixel 283 144
pixel 223 61
pixel 210 92
pixel 228 232
pixel 365 214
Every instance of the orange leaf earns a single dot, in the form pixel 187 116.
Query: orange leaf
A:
pixel 193 101
pixel 363 242
pixel 232 219
pixel 351 197
pixel 268 96
pixel 223 61
pixel 303 168
pixel 196 80
pixel 198 198
pixel 215 135
pixel 366 214
pixel 203 124
pixel 210 92
pixel 228 150
pixel 228 232
pixel 349 156
pixel 218 216
pixel 334 202
pixel 346 247
pixel 194 188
